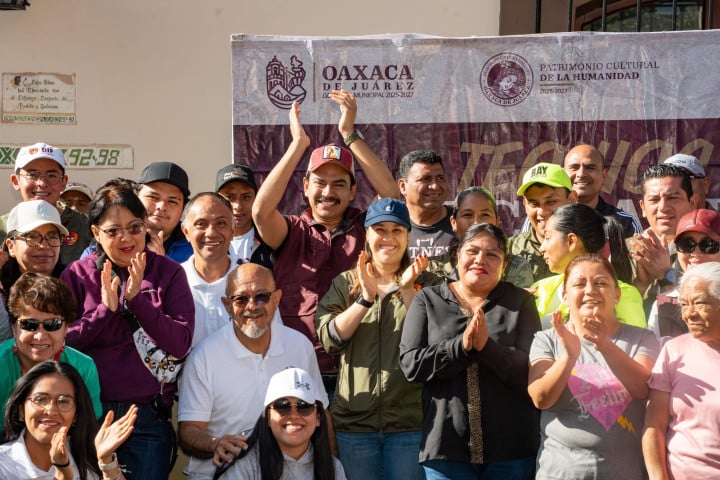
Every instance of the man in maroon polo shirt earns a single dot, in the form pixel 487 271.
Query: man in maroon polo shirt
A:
pixel 326 239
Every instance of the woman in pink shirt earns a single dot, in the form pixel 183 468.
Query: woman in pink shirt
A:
pixel 681 439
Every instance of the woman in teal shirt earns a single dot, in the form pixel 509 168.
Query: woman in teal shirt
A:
pixel 41 307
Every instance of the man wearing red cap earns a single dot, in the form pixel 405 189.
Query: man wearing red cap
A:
pixel 326 239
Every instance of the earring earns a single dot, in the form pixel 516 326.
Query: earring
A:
pixel 15 349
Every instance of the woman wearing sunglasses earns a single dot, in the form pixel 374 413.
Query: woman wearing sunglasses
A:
pixel 41 308
pixel 35 234
pixel 697 240
pixel 120 282
pixel 290 439
pixel 50 426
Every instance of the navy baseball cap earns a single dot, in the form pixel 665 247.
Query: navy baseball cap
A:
pixel 387 210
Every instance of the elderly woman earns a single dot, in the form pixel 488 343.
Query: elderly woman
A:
pixel 697 240
pixel 477 205
pixel 682 419
pixel 375 410
pixel 575 230
pixel 35 234
pixel 290 439
pixel 120 287
pixel 589 380
pixel 41 308
pixel 50 426
pixel 467 341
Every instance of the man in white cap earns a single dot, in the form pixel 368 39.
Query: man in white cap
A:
pixel 696 171
pixel 77 196
pixel 40 175
pixel 226 375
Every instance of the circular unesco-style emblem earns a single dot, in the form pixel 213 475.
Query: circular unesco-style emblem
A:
pixel 506 79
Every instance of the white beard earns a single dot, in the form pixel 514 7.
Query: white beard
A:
pixel 252 330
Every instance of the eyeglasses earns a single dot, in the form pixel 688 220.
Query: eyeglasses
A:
pixel 51 178
pixel 707 245
pixel 283 407
pixel 34 239
pixel 42 401
pixel 260 299
pixel 49 324
pixel 135 228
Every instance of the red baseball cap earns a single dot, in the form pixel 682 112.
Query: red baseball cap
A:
pixel 701 220
pixel 332 153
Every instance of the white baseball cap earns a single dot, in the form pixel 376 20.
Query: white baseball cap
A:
pixel 690 163
pixel 27 216
pixel 292 382
pixel 79 187
pixel 39 150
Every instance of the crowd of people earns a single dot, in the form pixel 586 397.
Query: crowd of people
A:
pixel 415 339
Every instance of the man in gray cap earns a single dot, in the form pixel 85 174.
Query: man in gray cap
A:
pixel 696 171
pixel 40 175
pixel 236 183
pixel 163 189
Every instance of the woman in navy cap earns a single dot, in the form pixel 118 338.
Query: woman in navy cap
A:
pixel 377 413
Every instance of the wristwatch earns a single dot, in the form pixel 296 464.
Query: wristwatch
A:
pixel 355 135
pixel 669 278
pixel 361 300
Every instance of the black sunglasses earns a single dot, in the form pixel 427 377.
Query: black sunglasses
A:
pixel 50 324
pixel 707 245
pixel 260 299
pixel 283 407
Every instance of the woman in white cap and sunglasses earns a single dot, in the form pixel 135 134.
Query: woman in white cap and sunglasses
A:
pixel 290 439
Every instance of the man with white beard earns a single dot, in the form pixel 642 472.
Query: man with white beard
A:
pixel 225 377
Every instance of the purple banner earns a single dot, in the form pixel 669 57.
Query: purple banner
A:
pixel 496 155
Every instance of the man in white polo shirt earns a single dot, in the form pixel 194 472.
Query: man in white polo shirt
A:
pixel 226 375
pixel 207 223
